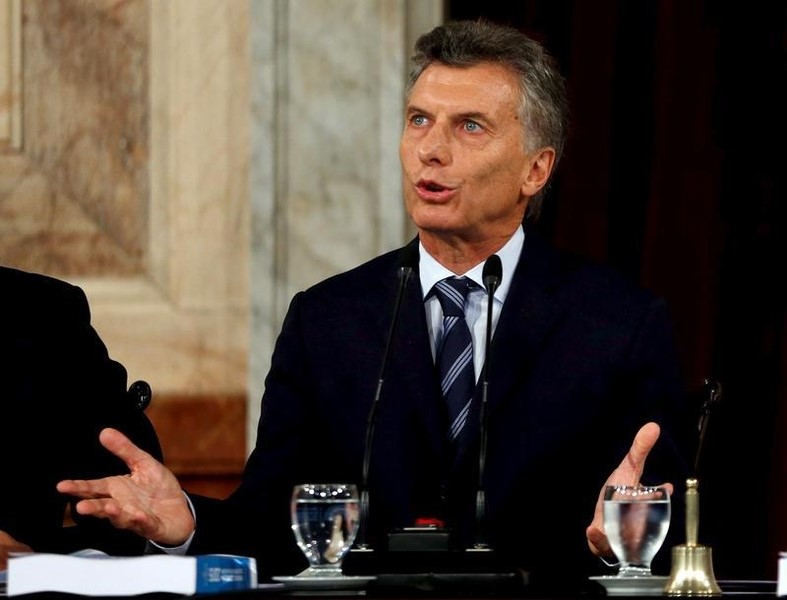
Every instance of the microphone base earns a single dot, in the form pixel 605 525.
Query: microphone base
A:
pixel 421 559
pixel 453 585
pixel 419 539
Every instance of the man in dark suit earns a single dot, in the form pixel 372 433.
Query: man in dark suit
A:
pixel 581 360
pixel 60 389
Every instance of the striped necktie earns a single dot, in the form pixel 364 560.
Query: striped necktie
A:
pixel 455 354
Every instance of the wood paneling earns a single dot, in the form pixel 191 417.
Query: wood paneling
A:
pixel 202 440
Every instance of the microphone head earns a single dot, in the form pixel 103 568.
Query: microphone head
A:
pixel 408 260
pixel 493 272
pixel 139 393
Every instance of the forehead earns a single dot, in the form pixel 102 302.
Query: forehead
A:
pixel 485 87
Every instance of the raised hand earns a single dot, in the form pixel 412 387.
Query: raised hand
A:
pixel 148 501
pixel 628 472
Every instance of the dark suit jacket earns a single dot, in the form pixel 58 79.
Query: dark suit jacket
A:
pixel 579 361
pixel 59 389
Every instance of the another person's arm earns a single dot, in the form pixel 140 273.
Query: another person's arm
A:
pixel 61 387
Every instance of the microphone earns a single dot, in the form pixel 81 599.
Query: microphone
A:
pixel 408 263
pixel 492 275
pixel 422 557
pixel 712 388
pixel 139 395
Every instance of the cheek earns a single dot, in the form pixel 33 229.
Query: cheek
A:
pixel 406 151
pixel 507 178
pixel 496 180
pixel 494 193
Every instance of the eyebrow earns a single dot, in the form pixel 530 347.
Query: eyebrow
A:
pixel 464 116
pixel 474 116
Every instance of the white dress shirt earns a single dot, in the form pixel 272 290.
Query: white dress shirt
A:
pixel 432 271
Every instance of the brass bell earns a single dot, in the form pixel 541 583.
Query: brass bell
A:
pixel 692 564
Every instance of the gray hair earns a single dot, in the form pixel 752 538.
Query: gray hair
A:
pixel 543 107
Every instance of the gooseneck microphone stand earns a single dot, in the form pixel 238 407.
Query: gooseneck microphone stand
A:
pixel 408 264
pixel 492 274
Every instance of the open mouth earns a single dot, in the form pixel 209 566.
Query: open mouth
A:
pixel 431 186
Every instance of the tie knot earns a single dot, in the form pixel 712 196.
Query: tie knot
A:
pixel 452 294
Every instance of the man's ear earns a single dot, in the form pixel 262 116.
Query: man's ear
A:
pixel 537 171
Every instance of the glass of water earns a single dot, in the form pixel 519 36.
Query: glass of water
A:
pixel 325 521
pixel 636 520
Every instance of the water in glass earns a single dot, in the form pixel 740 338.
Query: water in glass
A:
pixel 325 522
pixel 636 520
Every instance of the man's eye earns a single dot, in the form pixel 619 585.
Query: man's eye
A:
pixel 418 120
pixel 472 126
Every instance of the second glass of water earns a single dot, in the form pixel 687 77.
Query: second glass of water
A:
pixel 636 520
pixel 325 522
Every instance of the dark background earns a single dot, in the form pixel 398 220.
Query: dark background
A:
pixel 674 174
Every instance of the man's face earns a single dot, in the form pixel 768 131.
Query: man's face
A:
pixel 462 153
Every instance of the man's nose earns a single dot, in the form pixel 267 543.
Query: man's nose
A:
pixel 435 147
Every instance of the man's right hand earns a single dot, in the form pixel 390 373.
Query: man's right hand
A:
pixel 149 501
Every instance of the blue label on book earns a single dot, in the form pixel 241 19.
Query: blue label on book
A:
pixel 222 572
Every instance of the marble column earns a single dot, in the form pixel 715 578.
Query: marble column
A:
pixel 326 90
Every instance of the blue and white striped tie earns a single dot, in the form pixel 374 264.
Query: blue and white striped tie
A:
pixel 455 354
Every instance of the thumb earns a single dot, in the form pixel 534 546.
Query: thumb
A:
pixel 633 464
pixel 628 472
pixel 122 447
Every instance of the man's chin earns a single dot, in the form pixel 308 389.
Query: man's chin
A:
pixel 439 231
pixel 435 220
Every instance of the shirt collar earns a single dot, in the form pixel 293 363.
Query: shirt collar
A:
pixel 431 271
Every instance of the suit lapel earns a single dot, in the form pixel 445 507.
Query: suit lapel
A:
pixel 411 382
pixel 410 355
pixel 530 312
pixel 408 447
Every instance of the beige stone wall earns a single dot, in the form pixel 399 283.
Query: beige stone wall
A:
pixel 193 163
pixel 124 169
pixel 131 179
pixel 327 89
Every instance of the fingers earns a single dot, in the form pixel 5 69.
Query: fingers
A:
pixel 122 447
pixel 117 499
pixel 598 542
pixel 108 508
pixel 119 445
pixel 8 546
pixel 8 543
pixel 95 488
pixel 98 497
pixel 99 507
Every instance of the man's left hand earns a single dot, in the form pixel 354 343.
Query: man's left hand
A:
pixel 628 472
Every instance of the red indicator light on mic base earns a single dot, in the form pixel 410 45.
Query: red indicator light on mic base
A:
pixel 429 522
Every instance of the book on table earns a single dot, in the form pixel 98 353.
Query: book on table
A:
pixel 93 573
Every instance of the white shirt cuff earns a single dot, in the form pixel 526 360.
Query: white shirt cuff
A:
pixel 184 547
